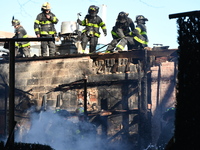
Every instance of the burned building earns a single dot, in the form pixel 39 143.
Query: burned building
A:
pixel 121 92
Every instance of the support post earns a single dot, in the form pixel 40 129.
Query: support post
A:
pixel 11 42
pixel 5 112
pixel 11 91
pixel 144 107
pixel 58 101
pixel 139 102
pixel 85 96
pixel 44 103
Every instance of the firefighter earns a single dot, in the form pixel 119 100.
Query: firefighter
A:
pixel 168 130
pixel 80 109
pixel 22 48
pixel 90 33
pixel 114 42
pixel 140 33
pixel 44 27
pixel 84 127
pixel 122 30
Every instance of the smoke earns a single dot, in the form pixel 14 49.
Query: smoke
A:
pixel 59 132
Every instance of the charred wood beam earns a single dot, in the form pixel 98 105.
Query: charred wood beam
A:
pixel 122 131
pixel 124 54
pixel 139 100
pixel 26 39
pixel 18 90
pixel 85 96
pixel 104 118
pixel 125 116
pixel 116 104
pixel 145 94
pixel 11 92
pixel 10 141
pixel 138 54
pixel 113 112
pixel 67 87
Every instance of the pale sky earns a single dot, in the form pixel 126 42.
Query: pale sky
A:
pixel 160 28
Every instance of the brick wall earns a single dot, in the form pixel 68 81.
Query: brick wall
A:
pixel 162 94
pixel 41 76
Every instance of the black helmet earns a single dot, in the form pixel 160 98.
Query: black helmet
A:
pixel 93 10
pixel 141 19
pixel 122 17
pixel 15 22
pixel 170 112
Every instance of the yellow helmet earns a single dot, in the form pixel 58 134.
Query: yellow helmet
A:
pixel 46 6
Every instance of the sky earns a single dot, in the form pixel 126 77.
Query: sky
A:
pixel 160 29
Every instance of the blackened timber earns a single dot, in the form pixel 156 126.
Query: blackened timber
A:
pixel 143 115
pixel 113 112
pixel 44 103
pixel 104 113
pixel 10 141
pixel 125 116
pixel 72 83
pixel 85 96
pixel 89 84
pixel 158 86
pixel 5 108
pixel 26 39
pixel 11 92
pixel 113 77
pixel 139 54
pixel 139 101
pixel 145 68
pixel 58 101
pixel 122 131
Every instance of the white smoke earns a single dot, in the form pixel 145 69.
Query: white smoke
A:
pixel 59 132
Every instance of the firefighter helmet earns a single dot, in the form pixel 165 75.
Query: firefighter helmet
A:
pixel 46 6
pixel 62 112
pixel 122 17
pixel 15 22
pixel 170 112
pixel 93 10
pixel 141 19
pixel 80 111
